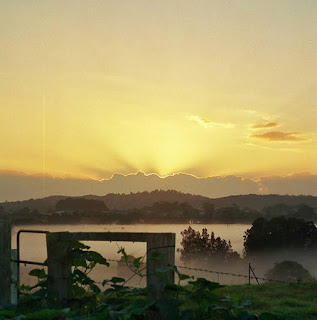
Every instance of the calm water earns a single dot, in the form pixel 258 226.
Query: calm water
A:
pixel 33 247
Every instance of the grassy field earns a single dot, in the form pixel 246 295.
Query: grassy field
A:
pixel 296 301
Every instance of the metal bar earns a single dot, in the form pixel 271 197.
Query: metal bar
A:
pixel 29 262
pixel 111 236
pixel 18 251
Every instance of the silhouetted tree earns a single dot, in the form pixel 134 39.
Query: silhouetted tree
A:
pixel 306 212
pixel 205 247
pixel 279 233
pixel 209 210
pixel 278 210
pixel 235 214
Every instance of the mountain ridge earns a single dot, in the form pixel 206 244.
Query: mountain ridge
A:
pixel 142 199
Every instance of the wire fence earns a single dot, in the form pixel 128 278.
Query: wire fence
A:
pixel 117 268
pixel 229 275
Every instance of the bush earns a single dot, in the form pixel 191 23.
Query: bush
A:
pixel 206 247
pixel 289 271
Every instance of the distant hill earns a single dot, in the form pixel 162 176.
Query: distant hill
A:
pixel 258 202
pixel 140 200
pixel 81 204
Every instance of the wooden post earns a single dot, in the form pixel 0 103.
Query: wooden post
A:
pixel 5 264
pixel 160 255
pixel 59 267
pixel 14 276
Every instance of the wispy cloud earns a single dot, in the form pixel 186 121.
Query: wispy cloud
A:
pixel 292 148
pixel 205 123
pixel 250 111
pixel 264 125
pixel 279 136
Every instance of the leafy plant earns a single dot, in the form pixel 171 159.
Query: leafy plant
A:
pixel 83 262
pixel 195 300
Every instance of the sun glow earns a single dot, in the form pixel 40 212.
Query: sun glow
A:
pixel 164 87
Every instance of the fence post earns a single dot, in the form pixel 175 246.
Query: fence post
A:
pixel 5 264
pixel 255 277
pixel 59 266
pixel 14 275
pixel 160 254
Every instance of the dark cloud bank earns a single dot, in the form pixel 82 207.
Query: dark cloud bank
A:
pixel 16 186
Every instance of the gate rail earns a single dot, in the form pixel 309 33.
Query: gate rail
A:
pixel 18 261
pixel 18 248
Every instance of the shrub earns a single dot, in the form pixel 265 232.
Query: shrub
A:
pixel 289 271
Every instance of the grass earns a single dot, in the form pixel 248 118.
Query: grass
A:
pixel 294 301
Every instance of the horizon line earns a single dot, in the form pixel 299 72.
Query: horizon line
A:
pixel 84 178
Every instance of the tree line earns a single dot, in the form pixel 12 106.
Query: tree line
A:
pixel 265 239
pixel 82 210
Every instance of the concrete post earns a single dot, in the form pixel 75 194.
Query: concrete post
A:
pixel 59 267
pixel 160 255
pixel 14 276
pixel 5 264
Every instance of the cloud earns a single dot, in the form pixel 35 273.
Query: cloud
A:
pixel 264 125
pixel 205 123
pixel 17 186
pixel 279 136
pixel 20 187
pixel 274 147
pixel 294 184
pixel 250 111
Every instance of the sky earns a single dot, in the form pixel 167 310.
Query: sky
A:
pixel 204 87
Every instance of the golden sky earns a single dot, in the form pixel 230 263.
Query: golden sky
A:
pixel 89 88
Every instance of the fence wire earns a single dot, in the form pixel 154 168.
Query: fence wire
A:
pixel 135 281
pixel 101 272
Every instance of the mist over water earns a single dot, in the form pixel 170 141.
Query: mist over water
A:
pixel 33 248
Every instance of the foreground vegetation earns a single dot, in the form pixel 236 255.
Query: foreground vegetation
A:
pixel 291 301
pixel 197 299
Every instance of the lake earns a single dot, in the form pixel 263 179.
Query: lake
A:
pixel 33 248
